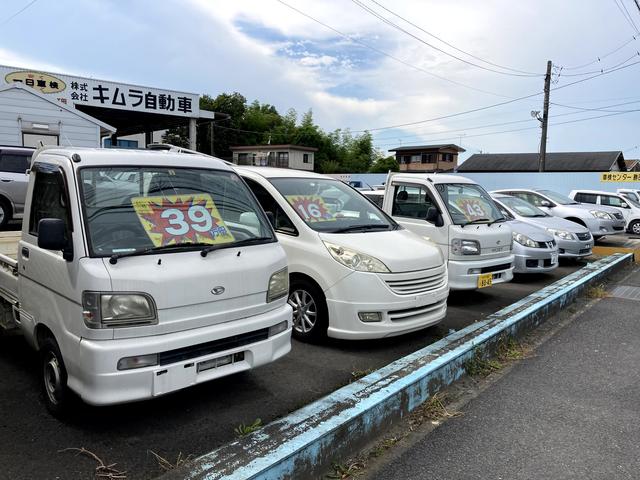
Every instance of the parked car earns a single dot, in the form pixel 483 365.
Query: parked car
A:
pixel 354 272
pixel 179 283
pixel 461 218
pixel 628 207
pixel 573 239
pixel 632 193
pixel 376 196
pixel 599 220
pixel 14 163
pixel 534 249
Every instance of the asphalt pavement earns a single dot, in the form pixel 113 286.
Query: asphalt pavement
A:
pixel 571 411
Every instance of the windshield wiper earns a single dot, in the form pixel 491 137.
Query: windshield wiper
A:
pixel 241 243
pixel 497 220
pixel 477 220
pixel 374 226
pixel 113 259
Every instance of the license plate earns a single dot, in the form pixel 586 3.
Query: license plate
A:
pixel 554 258
pixel 485 280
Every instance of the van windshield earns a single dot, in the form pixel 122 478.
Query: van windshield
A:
pixel 468 203
pixel 331 206
pixel 130 210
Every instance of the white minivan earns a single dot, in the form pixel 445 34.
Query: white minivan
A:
pixel 354 272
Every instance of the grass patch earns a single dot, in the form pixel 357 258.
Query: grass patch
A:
pixel 350 469
pixel 167 465
pixel 597 291
pixel 432 410
pixel 243 430
pixel 480 366
pixel 510 350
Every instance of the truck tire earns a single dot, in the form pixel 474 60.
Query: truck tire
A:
pixel 5 213
pixel 310 314
pixel 57 395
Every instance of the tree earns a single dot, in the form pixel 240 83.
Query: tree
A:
pixel 383 165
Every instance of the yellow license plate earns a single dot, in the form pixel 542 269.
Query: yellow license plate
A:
pixel 485 280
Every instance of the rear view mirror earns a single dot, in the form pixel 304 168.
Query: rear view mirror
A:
pixel 433 216
pixel 52 236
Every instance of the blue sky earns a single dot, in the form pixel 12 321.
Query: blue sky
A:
pixel 265 50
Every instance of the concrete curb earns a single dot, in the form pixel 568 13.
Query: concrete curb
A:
pixel 304 443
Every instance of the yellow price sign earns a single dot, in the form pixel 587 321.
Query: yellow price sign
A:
pixel 175 219
pixel 620 177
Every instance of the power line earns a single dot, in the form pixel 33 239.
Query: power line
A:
pixel 626 15
pixel 602 70
pixel 399 28
pixel 601 109
pixel 388 55
pixel 601 57
pixel 8 19
pixel 450 45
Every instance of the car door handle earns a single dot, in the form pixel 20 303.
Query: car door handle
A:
pixel 25 252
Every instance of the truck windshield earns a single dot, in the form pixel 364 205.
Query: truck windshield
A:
pixel 133 209
pixel 522 208
pixel 331 206
pixel 468 203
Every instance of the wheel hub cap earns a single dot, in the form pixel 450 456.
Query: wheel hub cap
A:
pixel 52 379
pixel 305 312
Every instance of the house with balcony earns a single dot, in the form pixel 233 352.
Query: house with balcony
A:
pixel 428 158
pixel 297 157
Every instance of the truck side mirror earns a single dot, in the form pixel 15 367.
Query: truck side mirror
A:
pixel 433 216
pixel 52 236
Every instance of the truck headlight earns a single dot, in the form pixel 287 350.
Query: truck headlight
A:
pixel 108 310
pixel 465 247
pixel 524 240
pixel 564 234
pixel 356 260
pixel 278 285
pixel 600 214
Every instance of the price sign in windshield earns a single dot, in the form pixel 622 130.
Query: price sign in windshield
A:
pixel 176 219
pixel 472 208
pixel 311 208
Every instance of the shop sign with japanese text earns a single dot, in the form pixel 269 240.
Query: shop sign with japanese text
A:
pixel 99 93
pixel 620 177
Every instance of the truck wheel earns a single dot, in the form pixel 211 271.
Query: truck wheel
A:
pixel 635 227
pixel 54 378
pixel 310 316
pixel 5 214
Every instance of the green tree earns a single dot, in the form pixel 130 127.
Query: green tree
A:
pixel 384 164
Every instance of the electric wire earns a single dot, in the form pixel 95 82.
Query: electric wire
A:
pixel 11 17
pixel 601 57
pixel 626 17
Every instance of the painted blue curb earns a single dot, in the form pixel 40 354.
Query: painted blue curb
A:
pixel 304 443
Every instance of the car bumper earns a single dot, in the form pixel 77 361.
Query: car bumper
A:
pixel 99 382
pixel 574 248
pixel 399 313
pixel 460 277
pixel 601 227
pixel 535 260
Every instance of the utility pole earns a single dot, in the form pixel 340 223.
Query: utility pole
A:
pixel 211 128
pixel 545 119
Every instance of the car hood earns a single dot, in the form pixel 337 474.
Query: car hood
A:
pixel 400 250
pixel 555 223
pixel 534 232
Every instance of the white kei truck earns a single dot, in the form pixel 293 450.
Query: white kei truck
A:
pixel 135 275
pixel 461 218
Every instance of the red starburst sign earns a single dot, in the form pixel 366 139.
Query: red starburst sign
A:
pixel 311 208
pixel 175 219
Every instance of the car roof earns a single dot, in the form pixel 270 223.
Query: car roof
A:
pixel 433 177
pixel 595 192
pixel 274 172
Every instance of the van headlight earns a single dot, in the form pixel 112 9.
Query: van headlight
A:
pixel 564 234
pixel 460 246
pixel 278 285
pixel 356 260
pixel 109 310
pixel 600 214
pixel 524 240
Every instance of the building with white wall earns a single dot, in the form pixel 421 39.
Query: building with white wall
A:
pixel 283 156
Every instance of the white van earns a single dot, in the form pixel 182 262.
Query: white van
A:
pixel 136 275
pixel 461 218
pixel 354 272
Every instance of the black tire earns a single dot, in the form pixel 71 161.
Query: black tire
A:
pixel 634 227
pixel 5 213
pixel 57 395
pixel 310 314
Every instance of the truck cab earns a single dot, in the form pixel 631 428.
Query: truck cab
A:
pixel 139 273
pixel 461 218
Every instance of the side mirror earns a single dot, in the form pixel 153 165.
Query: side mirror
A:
pixel 271 217
pixel 52 236
pixel 545 203
pixel 433 216
pixel 625 205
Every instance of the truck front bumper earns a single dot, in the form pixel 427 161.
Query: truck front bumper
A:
pixel 463 275
pixel 184 358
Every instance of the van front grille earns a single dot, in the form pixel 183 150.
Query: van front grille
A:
pixel 422 282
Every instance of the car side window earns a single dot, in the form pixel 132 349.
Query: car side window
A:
pixel 50 199
pixel 610 200
pixel 283 223
pixel 411 201
pixel 14 163
pixel 586 198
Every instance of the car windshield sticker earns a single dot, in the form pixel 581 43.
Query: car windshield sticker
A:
pixel 311 208
pixel 176 219
pixel 472 207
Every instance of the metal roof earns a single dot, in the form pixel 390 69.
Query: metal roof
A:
pixel 428 147
pixel 555 162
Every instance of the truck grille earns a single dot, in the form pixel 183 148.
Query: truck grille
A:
pixel 584 236
pixel 495 268
pixel 423 281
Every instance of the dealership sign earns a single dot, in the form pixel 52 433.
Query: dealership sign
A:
pixel 98 93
